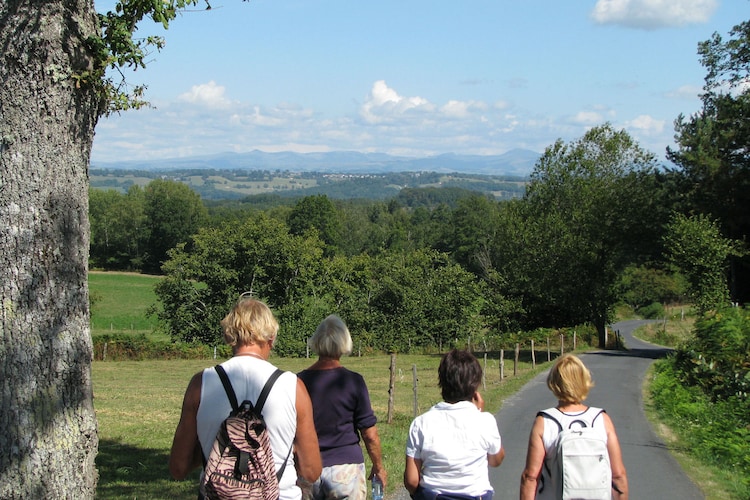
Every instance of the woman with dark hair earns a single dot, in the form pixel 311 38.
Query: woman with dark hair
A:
pixel 450 446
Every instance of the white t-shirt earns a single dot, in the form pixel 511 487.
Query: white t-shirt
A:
pixel 248 376
pixel 452 441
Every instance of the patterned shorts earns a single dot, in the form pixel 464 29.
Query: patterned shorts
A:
pixel 339 482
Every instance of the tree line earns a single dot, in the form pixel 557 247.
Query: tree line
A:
pixel 601 222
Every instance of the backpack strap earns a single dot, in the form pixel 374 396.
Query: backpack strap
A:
pixel 258 404
pixel 227 387
pixel 551 417
pixel 578 420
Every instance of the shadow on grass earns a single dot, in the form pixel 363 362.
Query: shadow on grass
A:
pixel 129 472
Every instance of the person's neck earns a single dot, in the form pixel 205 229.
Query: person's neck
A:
pixel 252 350
pixel 571 407
pixel 326 363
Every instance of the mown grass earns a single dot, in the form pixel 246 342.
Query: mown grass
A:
pixel 138 402
pixel 138 405
pixel 119 302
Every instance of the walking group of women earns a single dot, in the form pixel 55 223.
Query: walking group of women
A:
pixel 323 412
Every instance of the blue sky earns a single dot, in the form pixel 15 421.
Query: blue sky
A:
pixel 415 77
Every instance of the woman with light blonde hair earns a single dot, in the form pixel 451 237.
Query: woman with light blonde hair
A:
pixel 570 381
pixel 250 329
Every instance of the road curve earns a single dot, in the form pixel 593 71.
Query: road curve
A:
pixel 618 375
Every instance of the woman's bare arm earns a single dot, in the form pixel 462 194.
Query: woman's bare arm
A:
pixel 309 465
pixel 534 461
pixel 412 472
pixel 186 450
pixel 619 475
pixel 372 444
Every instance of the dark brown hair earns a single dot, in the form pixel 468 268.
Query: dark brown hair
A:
pixel 459 376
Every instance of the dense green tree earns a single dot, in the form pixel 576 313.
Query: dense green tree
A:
pixel 698 249
pixel 713 146
pixel 472 228
pixel 119 229
pixel 587 209
pixel 319 213
pixel 174 213
pixel 258 257
pixel 643 285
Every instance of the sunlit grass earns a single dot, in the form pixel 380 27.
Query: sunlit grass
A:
pixel 138 405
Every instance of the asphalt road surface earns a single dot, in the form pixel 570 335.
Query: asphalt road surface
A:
pixel 618 376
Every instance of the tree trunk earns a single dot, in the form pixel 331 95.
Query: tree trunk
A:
pixel 48 438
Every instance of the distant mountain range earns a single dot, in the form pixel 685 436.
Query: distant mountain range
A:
pixel 516 162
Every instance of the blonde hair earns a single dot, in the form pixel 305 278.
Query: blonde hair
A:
pixel 569 379
pixel 332 338
pixel 249 322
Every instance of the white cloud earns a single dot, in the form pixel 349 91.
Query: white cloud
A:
pixel 387 122
pixel 646 124
pixel 653 14
pixel 207 94
pixel 462 109
pixel 685 92
pixel 384 104
pixel 588 118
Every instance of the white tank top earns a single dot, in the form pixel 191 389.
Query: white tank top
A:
pixel 248 376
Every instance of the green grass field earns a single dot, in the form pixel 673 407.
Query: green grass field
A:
pixel 119 302
pixel 138 402
pixel 138 405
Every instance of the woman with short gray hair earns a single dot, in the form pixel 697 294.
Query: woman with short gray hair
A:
pixel 342 413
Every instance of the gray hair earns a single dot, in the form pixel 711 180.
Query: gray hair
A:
pixel 332 338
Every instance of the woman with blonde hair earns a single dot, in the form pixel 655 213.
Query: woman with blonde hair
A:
pixel 570 381
pixel 250 329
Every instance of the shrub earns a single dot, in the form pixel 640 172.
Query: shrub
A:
pixel 138 347
pixel 652 311
pixel 716 432
pixel 718 359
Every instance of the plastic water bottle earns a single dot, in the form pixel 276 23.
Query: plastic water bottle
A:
pixel 377 488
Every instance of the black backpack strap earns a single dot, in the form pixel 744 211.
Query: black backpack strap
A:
pixel 258 404
pixel 227 387
pixel 551 417
pixel 266 389
pixel 259 408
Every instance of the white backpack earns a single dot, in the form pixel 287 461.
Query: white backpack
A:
pixel 580 468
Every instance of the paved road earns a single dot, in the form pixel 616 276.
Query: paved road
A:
pixel 652 472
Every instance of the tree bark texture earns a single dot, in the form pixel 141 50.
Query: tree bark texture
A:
pixel 48 438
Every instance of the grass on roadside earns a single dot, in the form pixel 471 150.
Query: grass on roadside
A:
pixel 716 483
pixel 674 329
pixel 138 405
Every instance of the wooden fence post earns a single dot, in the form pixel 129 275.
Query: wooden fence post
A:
pixel 484 373
pixel 502 364
pixel 574 340
pixel 391 388
pixel 533 356
pixel 104 352
pixel 549 354
pixel 414 388
pixel 515 359
pixel 562 344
